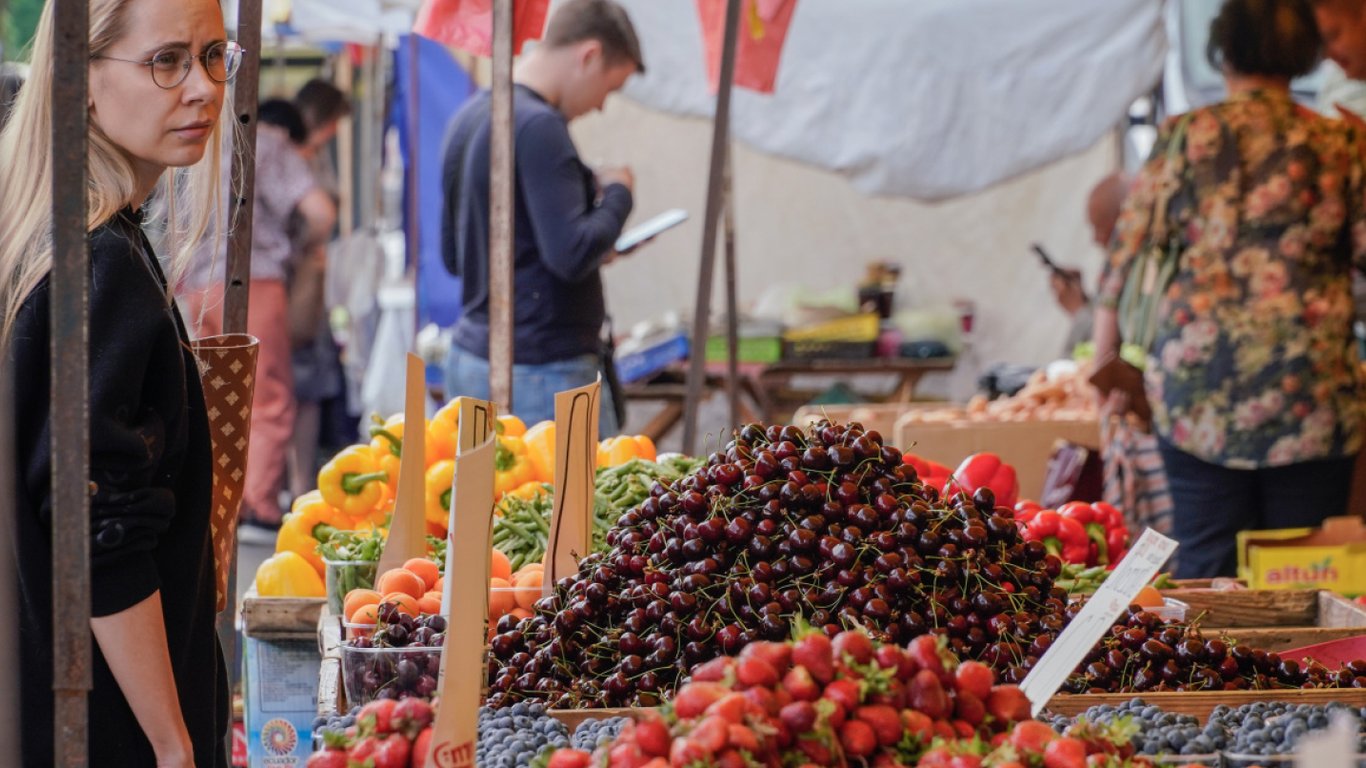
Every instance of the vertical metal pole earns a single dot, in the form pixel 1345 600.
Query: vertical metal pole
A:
pixel 706 272
pixel 414 154
pixel 346 147
pixel 237 277
pixel 732 303
pixel 70 389
pixel 501 201
pixel 368 197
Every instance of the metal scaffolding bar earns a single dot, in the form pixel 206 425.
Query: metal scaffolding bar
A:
pixel 70 388
pixel 701 322
pixel 501 202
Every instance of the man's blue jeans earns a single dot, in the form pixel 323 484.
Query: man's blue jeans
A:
pixel 533 386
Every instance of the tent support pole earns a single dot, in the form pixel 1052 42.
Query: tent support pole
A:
pixel 70 393
pixel 732 302
pixel 413 107
pixel 501 202
pixel 706 272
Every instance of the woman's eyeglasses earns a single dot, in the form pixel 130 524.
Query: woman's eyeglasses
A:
pixel 170 66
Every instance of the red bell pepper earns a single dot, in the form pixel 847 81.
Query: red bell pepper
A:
pixel 1105 528
pixel 1117 530
pixel 932 474
pixel 986 470
pixel 1025 510
pixel 1061 536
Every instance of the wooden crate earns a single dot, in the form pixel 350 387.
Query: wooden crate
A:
pixel 1274 620
pixel 331 692
pixel 280 617
pixel 1201 703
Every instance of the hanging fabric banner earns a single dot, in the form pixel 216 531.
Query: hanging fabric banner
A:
pixel 468 24
pixel 758 46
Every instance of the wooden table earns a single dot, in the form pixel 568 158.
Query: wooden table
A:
pixel 766 389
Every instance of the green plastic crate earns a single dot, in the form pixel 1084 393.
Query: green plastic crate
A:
pixel 757 349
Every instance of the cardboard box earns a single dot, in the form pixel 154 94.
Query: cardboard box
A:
pixel 280 687
pixel 1332 556
pixel 1026 445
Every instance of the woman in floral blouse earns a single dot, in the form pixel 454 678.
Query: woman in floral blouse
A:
pixel 1253 373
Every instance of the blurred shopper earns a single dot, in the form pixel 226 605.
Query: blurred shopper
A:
pixel 1342 25
pixel 1102 211
pixel 1252 374
pixel 159 691
pixel 316 359
pixel 567 217
pixel 288 200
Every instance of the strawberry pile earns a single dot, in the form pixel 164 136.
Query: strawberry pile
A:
pixel 823 702
pixel 387 734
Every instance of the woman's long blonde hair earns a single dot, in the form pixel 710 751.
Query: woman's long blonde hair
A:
pixel 186 202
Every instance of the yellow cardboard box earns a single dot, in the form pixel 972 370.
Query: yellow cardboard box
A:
pixel 1332 556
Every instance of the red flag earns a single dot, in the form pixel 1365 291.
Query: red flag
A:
pixel 758 41
pixel 468 24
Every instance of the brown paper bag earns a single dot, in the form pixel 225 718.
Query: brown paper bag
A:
pixel 227 369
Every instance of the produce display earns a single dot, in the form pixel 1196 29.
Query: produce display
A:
pixel 1067 396
pixel 399 659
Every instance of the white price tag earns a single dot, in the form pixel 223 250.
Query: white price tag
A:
pixel 1095 619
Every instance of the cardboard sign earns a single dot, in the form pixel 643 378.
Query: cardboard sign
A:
pixel 576 458
pixel 467 553
pixel 1095 619
pixel 476 424
pixel 408 528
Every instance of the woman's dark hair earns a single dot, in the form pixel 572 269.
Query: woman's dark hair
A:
pixel 321 102
pixel 1275 38
pixel 283 114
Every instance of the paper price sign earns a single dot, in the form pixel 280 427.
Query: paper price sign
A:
pixel 576 458
pixel 1095 619
pixel 408 524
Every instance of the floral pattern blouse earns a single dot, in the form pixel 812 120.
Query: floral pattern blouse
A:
pixel 1254 363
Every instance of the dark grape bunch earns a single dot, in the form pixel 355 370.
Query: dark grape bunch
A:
pixel 514 736
pixel 828 526
pixel 371 674
pixel 1142 653
pixel 595 732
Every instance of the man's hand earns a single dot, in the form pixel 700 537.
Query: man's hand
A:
pixel 622 176
pixel 1067 290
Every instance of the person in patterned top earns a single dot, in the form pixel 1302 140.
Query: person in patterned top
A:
pixel 1253 375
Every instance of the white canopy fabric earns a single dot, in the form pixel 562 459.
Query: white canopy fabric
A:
pixel 928 99
pixel 355 21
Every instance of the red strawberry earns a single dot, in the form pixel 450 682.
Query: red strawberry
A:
pixel 894 696
pixel 918 725
pixel 755 671
pixel 816 653
pixel 778 655
pixel 799 717
pixel 1064 753
pixel 762 700
pixel 711 734
pixel 378 716
pixel 855 644
pixel 660 762
pixel 963 729
pixel 731 758
pixel 422 745
pixel 782 735
pixel 624 754
pixel 730 708
pixel 742 737
pixel 975 678
pixel 569 758
pixel 892 657
pixel 885 722
pixel 799 683
pixel 694 698
pixel 845 693
pixel 969 708
pixel 393 752
pixel 363 749
pixel 327 758
pixel 1030 737
pixel 652 736
pixel 685 751
pixel 411 715
pixel 1011 764
pixel 713 671
pixel 938 757
pixel 1008 704
pixel 858 738
pixel 926 694
pixel 925 650
pixel 815 751
pixel 944 729
pixel 965 761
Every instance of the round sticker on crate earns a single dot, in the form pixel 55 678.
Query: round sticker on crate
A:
pixel 278 737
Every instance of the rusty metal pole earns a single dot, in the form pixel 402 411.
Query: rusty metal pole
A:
pixel 501 201
pixel 707 269
pixel 414 153
pixel 70 388
pixel 732 302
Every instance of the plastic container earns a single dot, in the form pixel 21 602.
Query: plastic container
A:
pixel 391 673
pixel 342 576
pixel 1243 760
pixel 1211 760
pixel 1171 610
pixel 352 630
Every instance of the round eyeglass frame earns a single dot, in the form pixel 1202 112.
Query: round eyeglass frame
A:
pixel 232 57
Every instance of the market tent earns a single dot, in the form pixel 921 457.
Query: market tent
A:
pixel 938 98
pixel 351 21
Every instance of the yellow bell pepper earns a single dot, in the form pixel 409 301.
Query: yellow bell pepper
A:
pixel 353 482
pixel 441 433
pixel 615 451
pixel 540 448
pixel 286 574
pixel 511 426
pixel 512 466
pixel 440 478
pixel 310 522
pixel 386 442
pixel 529 490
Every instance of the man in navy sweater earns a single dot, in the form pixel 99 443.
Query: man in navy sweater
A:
pixel 567 216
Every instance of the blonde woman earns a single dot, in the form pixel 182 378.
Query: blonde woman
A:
pixel 157 78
